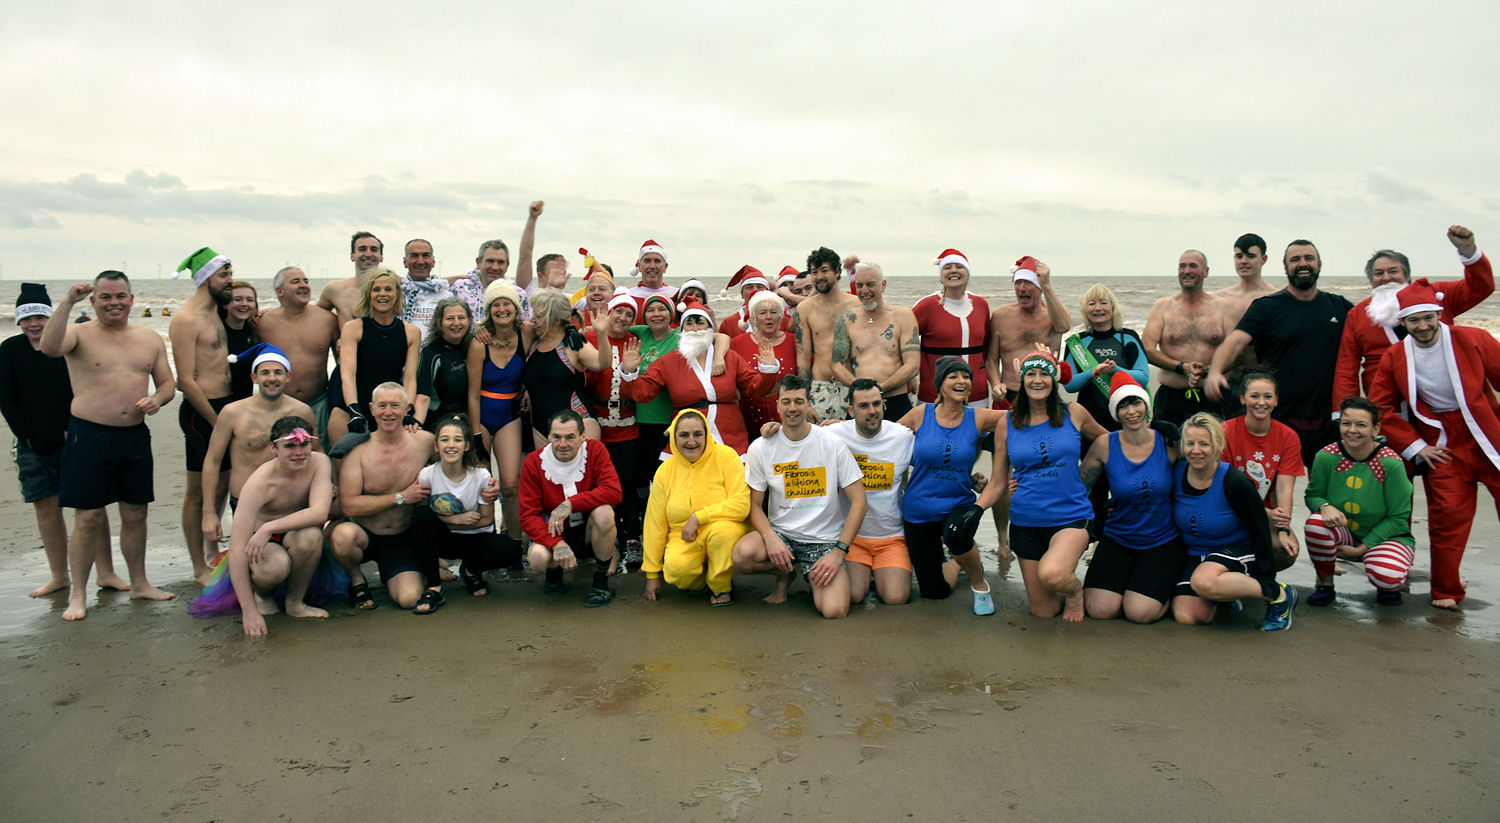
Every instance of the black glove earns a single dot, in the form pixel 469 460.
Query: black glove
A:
pixel 359 421
pixel 1168 431
pixel 959 528
pixel 410 418
pixel 573 338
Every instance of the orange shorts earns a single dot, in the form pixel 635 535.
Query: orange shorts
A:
pixel 880 552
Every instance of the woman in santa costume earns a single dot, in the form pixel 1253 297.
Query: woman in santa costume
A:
pixel 1446 375
pixel 953 322
pixel 1372 326
pixel 616 411
pixel 767 327
pixel 686 376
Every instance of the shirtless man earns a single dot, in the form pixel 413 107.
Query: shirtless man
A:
pixel 305 333
pixel 379 492
pixel 278 532
pixel 200 353
pixel 815 321
pixel 339 296
pixel 1018 328
pixel 1249 257
pixel 877 341
pixel 1182 332
pixel 244 433
pixel 107 456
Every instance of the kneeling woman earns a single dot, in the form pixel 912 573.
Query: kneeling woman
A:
pixel 697 510
pixel 457 481
pixel 1137 561
pixel 1360 498
pixel 1050 509
pixel 1219 513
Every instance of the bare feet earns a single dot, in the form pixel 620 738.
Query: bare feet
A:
pixel 303 610
pixel 266 605
pixel 203 577
pixel 1073 607
pixel 146 591
pixel 446 573
pixel 1442 603
pixel 721 599
pixel 56 584
pixel 113 582
pixel 778 594
pixel 76 608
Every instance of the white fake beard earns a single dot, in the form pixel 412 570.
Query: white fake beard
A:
pixel 694 344
pixel 1384 306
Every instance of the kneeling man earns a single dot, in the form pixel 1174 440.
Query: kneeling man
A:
pixel 568 493
pixel 278 528
pixel 810 523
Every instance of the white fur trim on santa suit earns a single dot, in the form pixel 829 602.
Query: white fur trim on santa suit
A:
pixel 1028 275
pixel 1445 338
pixel 693 312
pixel 566 474
pixel 623 298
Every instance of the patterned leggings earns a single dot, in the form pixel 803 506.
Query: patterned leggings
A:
pixel 1386 565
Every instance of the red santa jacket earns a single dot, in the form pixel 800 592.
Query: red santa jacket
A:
pixel 1364 341
pixel 942 333
pixel 539 496
pixel 612 405
pixel 689 385
pixel 1473 358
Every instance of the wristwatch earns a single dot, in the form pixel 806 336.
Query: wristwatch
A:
pixel 399 500
pixel 843 547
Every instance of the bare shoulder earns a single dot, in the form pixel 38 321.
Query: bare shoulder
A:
pixel 904 316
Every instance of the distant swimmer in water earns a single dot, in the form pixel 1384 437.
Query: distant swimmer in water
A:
pixel 166 312
pixel 145 312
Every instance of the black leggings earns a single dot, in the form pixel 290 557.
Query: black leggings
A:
pixel 924 542
pixel 479 552
pixel 624 455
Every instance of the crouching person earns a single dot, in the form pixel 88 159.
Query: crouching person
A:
pixel 568 494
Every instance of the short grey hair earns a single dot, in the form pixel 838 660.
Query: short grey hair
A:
pixel 493 244
pixel 280 278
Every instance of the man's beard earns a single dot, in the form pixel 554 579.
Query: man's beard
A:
pixel 1384 306
pixel 694 344
pixel 871 306
pixel 1302 280
pixel 221 298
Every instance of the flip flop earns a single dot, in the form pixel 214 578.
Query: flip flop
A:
pixel 727 601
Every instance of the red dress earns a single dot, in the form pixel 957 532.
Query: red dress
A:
pixel 690 385
pixel 759 411
pixel 612 405
pixel 943 334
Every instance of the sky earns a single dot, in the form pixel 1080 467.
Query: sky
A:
pixel 1102 138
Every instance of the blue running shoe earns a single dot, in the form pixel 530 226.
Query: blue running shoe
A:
pixel 984 604
pixel 1279 615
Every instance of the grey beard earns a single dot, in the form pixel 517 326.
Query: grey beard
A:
pixel 1383 305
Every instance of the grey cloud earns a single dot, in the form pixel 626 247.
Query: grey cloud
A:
pixel 1388 187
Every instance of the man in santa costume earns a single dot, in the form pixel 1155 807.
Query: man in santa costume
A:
pixel 952 321
pixel 651 265
pixel 686 375
pixel 1372 326
pixel 568 493
pixel 1446 375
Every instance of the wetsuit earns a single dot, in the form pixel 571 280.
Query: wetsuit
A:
pixel 382 357
pixel 443 375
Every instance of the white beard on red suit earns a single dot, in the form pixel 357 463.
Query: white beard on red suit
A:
pixel 1383 305
pixel 694 344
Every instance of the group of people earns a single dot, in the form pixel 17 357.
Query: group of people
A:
pixel 817 430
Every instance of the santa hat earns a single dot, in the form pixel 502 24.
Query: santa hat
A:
pixel 694 307
pixel 33 302
pixel 671 309
pixel 498 289
pixel 1418 296
pixel 745 276
pixel 622 298
pixel 788 274
pixel 648 247
pixel 202 263
pixel 693 283
pixel 1025 269
pixel 263 352
pixel 753 305
pixel 1121 387
pixel 1047 361
pixel 952 256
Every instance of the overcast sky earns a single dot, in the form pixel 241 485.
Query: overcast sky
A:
pixel 1103 138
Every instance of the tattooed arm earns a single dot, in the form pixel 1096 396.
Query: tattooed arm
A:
pixel 804 352
pixel 911 353
pixel 844 361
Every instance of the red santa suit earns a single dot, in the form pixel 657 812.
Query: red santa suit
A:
pixel 612 405
pixel 1365 340
pixel 690 384
pixel 1471 433
pixel 586 487
pixel 960 327
pixel 759 411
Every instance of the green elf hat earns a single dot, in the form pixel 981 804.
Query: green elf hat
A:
pixel 202 263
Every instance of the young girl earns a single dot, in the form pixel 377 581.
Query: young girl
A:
pixel 456 480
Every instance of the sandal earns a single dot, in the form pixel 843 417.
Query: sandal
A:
pixel 360 597
pixel 473 582
pixel 714 598
pixel 598 597
pixel 432 599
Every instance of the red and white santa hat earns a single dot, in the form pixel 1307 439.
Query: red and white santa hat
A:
pixel 622 298
pixel 693 306
pixel 747 275
pixel 753 305
pixel 1123 386
pixel 952 256
pixel 1025 269
pixel 693 283
pixel 648 247
pixel 1418 296
pixel 788 274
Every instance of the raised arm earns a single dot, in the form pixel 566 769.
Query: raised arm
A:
pixel 58 336
pixel 1057 312
pixel 522 266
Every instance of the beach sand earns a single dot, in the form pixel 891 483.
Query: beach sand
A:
pixel 521 704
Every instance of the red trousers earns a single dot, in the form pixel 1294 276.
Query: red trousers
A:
pixel 1452 492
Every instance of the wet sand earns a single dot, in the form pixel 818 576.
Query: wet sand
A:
pixel 521 704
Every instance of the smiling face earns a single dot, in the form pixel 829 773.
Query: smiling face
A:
pixel 825 278
pixel 652 266
pixel 691 437
pixel 451 444
pixel 1192 270
pixel 1038 383
pixel 1198 448
pixel 367 254
pixel 271 377
pixel 1100 313
pixel 419 259
pixel 1423 327
pixel 502 313
pixel 455 324
pixel 295 288
pixel 867 409
pixel 956 385
pixel 870 289
pixel 658 316
pixel 32 327
pixel 112 301
pixel 1387 270
pixel 388 406
pixel 1357 430
pixel 493 264
pixel 383 293
pixel 1132 414
pixel 1259 399
pixel 1302 266
pixel 566 439
pixel 954 276
pixel 242 303
pixel 597 293
pixel 292 453
pixel 621 318
pixel 1248 262
pixel 793 406
pixel 219 285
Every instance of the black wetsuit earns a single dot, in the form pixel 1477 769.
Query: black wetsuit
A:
pixel 382 356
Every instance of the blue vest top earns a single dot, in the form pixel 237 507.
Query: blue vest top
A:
pixel 1206 521
pixel 942 462
pixel 1142 494
pixel 1044 461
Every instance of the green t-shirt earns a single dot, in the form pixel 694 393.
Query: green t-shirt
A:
pixel 659 410
pixel 1375 495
